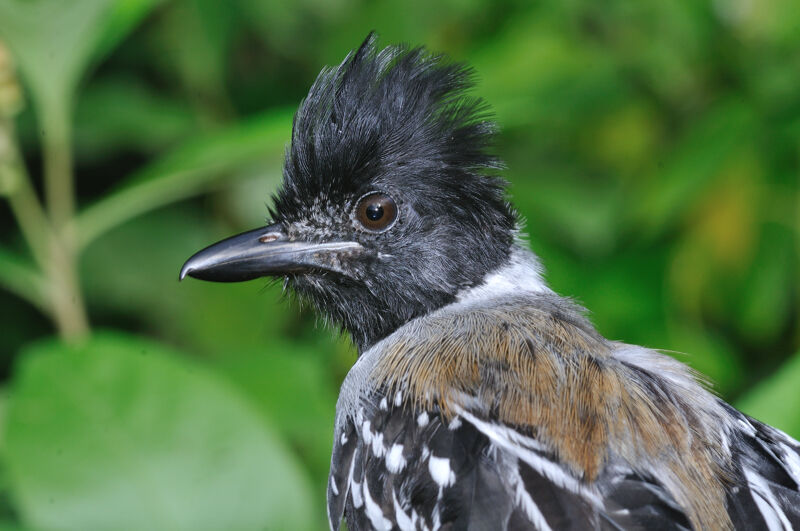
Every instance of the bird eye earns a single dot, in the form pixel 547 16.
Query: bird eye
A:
pixel 376 211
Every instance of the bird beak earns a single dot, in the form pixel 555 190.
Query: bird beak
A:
pixel 265 252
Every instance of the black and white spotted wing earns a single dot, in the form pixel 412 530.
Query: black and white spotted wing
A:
pixel 401 469
pixel 766 492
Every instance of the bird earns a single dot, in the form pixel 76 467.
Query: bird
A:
pixel 480 398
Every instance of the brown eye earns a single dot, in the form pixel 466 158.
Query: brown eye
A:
pixel 376 211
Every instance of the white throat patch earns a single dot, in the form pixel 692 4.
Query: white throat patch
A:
pixel 522 274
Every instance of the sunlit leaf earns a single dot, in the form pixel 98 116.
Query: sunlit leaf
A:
pixel 120 433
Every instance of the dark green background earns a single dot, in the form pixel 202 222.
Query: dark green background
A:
pixel 652 149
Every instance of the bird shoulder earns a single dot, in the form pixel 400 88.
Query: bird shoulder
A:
pixel 534 363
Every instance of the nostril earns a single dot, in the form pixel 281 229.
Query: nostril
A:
pixel 271 237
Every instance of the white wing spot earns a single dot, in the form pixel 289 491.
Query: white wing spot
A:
pixel 355 491
pixel 384 405
pixel 422 419
pixel 374 512
pixel 404 522
pixel 377 445
pixel 366 434
pixel 439 467
pixel 394 459
pixel 454 424
pixel 398 399
pixel 334 489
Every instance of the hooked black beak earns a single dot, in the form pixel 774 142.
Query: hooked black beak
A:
pixel 264 252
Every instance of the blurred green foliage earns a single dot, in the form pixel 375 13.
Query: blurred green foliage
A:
pixel 654 149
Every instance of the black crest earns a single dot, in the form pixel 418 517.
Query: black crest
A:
pixel 386 110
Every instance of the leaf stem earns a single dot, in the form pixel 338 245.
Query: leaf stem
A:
pixel 69 311
pixel 68 307
pixel 57 154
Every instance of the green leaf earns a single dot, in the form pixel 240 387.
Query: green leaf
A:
pixel 536 75
pixel 696 160
pixel 764 297
pixel 271 373
pixel 21 278
pixel 121 18
pixel 583 215
pixel 147 122
pixel 188 171
pixel 198 39
pixel 119 433
pixel 775 400
pixel 54 41
pixel 708 353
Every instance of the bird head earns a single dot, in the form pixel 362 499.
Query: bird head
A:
pixel 390 203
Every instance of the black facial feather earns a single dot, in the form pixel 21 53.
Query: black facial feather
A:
pixel 397 121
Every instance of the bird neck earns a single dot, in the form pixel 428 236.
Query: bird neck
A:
pixel 522 273
pixel 517 271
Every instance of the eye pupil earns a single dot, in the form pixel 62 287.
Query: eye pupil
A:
pixel 374 212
